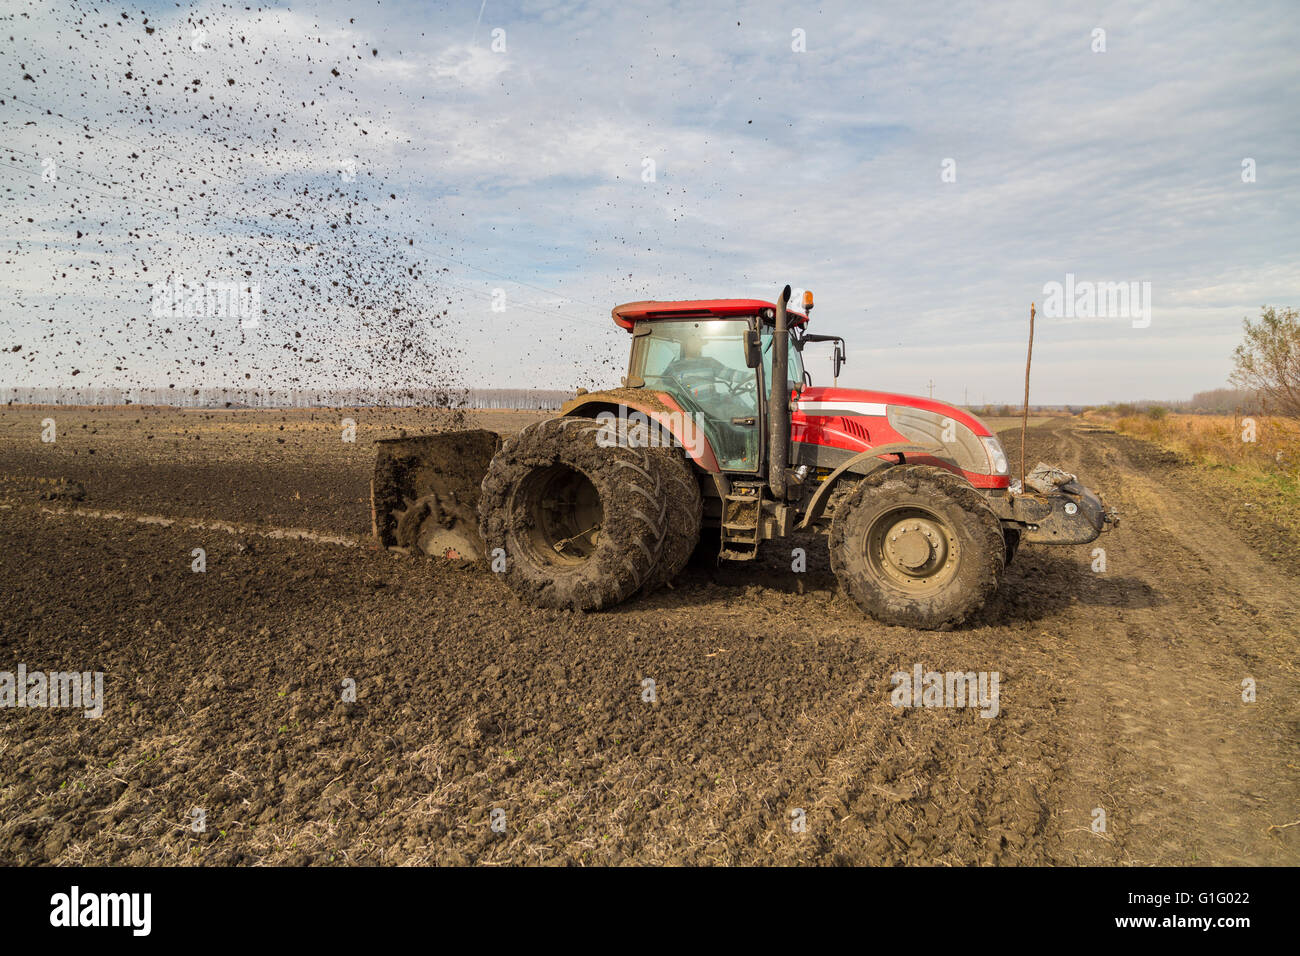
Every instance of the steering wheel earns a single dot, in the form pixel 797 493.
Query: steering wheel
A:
pixel 685 389
pixel 697 367
pixel 736 388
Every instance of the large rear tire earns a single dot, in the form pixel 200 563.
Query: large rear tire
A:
pixel 685 515
pixel 579 514
pixel 917 546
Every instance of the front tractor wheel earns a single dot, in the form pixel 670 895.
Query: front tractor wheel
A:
pixel 578 516
pixel 917 546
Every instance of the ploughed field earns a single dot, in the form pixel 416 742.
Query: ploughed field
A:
pixel 771 737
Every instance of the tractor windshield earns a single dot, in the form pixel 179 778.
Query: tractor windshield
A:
pixel 701 363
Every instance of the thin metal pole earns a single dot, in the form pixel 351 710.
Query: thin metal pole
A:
pixel 1024 421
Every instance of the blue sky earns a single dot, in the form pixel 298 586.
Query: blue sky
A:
pixel 521 169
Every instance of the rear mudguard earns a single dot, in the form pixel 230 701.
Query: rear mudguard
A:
pixel 663 410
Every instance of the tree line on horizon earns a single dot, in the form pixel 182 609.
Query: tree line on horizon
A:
pixel 1265 380
pixel 469 398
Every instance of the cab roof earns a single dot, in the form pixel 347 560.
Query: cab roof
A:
pixel 630 313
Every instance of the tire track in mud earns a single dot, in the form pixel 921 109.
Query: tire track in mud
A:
pixel 1193 774
pixel 229 527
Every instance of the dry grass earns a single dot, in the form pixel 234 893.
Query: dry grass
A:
pixel 1225 440
pixel 1266 470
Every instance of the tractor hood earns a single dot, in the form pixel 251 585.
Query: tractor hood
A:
pixel 857 420
pixel 816 402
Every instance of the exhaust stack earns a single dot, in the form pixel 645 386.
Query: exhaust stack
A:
pixel 778 402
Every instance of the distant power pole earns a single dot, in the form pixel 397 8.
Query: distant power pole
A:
pixel 932 388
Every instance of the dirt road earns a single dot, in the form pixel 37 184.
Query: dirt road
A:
pixel 1121 689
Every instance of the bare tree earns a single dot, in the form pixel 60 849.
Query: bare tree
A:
pixel 1269 358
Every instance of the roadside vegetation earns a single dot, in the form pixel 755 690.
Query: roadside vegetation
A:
pixel 1250 450
pixel 1257 482
pixel 1261 449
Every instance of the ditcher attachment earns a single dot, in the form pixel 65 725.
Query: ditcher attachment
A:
pixel 425 490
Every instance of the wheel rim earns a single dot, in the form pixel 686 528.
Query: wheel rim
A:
pixel 912 548
pixel 562 515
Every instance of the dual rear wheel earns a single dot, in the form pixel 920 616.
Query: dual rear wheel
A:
pixel 587 512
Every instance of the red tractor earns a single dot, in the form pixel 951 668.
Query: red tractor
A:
pixel 611 498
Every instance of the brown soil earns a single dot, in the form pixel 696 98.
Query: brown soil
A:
pixel 1120 690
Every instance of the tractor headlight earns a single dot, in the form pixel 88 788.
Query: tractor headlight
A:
pixel 997 457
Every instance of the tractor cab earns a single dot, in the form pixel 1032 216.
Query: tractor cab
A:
pixel 714 358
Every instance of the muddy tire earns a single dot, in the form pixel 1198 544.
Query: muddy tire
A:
pixel 917 546
pixel 682 491
pixel 685 515
pixel 578 514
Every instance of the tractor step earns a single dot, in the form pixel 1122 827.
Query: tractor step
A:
pixel 730 554
pixel 741 514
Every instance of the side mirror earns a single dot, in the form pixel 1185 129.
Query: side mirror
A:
pixel 838 359
pixel 753 349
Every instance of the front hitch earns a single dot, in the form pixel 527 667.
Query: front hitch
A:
pixel 1055 508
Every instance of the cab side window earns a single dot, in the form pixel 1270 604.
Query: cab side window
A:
pixel 794 368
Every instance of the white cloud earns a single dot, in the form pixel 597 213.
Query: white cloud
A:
pixel 820 169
